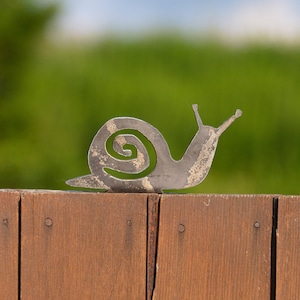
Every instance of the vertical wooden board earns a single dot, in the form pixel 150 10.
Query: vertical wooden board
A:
pixel 153 217
pixel 9 244
pixel 83 246
pixel 214 247
pixel 288 248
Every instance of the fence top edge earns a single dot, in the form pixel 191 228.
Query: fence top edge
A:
pixel 70 192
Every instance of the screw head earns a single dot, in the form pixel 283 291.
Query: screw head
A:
pixel 181 228
pixel 256 225
pixel 48 222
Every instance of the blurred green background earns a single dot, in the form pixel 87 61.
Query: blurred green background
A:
pixel 54 97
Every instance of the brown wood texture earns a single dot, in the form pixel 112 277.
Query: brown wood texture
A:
pixel 83 246
pixel 288 249
pixel 9 244
pixel 153 218
pixel 214 247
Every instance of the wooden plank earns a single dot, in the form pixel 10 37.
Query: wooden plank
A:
pixel 83 246
pixel 214 247
pixel 288 248
pixel 153 217
pixel 9 244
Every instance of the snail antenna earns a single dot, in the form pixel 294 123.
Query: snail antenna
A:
pixel 227 123
pixel 198 118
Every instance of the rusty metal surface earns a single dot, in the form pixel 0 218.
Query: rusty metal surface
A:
pixel 168 173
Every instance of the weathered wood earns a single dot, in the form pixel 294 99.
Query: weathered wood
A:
pixel 214 247
pixel 153 217
pixel 9 247
pixel 78 245
pixel 288 248
pixel 83 246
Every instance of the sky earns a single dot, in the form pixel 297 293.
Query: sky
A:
pixel 237 19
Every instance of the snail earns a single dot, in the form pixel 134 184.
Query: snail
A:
pixel 129 156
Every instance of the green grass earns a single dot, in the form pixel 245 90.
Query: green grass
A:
pixel 68 94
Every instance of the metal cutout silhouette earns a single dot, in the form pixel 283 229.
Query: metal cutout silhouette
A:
pixel 130 156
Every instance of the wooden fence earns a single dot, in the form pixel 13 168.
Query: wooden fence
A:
pixel 75 245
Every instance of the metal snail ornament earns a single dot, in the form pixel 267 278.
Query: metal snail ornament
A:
pixel 130 156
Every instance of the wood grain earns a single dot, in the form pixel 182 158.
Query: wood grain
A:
pixel 83 246
pixel 153 218
pixel 288 248
pixel 214 247
pixel 9 244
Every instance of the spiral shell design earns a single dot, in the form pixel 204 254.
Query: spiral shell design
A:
pixel 119 154
pixel 126 155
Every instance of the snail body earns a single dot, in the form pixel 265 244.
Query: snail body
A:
pixel 131 157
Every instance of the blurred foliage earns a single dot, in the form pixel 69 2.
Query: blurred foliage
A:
pixel 21 24
pixel 70 91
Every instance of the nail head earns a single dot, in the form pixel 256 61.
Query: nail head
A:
pixel 48 222
pixel 181 228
